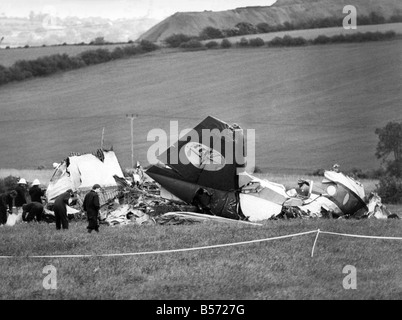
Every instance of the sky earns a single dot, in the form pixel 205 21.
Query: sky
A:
pixel 115 9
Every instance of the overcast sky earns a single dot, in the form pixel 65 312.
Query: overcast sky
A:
pixel 115 9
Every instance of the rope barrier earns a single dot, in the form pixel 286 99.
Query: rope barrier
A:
pixel 351 235
pixel 362 236
pixel 318 231
pixel 163 251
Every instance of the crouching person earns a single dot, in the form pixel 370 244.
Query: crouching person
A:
pixel 91 207
pixel 32 211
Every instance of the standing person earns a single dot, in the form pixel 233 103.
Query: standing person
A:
pixel 21 198
pixel 138 175
pixel 91 207
pixel 6 202
pixel 31 211
pixel 36 192
pixel 60 209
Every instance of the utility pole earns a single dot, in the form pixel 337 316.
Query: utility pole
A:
pixel 132 117
pixel 103 134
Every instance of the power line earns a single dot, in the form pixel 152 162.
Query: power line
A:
pixel 132 117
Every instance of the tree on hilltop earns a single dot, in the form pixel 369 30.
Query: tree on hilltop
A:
pixel 390 143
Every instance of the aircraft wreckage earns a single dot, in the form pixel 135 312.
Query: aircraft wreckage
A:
pixel 198 173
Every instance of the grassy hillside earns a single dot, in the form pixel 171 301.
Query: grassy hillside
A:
pixel 310 106
pixel 9 56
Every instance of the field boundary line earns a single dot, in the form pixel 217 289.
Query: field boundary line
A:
pixel 351 235
pixel 163 251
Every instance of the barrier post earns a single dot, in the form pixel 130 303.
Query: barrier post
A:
pixel 315 241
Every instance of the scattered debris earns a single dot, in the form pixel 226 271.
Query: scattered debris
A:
pixel 223 188
pixel 205 188
pixel 80 172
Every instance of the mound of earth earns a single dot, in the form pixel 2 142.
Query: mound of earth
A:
pixel 293 11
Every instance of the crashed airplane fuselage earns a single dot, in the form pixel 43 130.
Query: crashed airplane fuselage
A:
pixel 209 171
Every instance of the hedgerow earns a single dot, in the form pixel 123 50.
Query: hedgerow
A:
pixel 47 65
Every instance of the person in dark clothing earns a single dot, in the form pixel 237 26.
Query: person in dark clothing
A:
pixel 6 202
pixel 36 192
pixel 202 200
pixel 60 209
pixel 31 211
pixel 91 207
pixel 21 199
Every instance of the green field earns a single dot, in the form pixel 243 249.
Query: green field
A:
pixel 277 269
pixel 310 106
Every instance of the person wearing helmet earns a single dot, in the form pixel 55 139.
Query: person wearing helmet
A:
pixel 21 198
pixel 36 192
pixel 91 206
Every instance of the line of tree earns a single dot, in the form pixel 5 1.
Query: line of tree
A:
pixel 44 66
pixel 286 41
pixel 246 28
pixel 389 150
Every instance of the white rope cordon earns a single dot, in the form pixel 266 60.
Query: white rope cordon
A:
pixel 362 236
pixel 318 231
pixel 163 251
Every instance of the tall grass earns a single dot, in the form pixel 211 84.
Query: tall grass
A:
pixel 279 269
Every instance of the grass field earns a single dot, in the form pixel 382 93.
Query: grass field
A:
pixel 310 106
pixel 278 269
pixel 268 270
